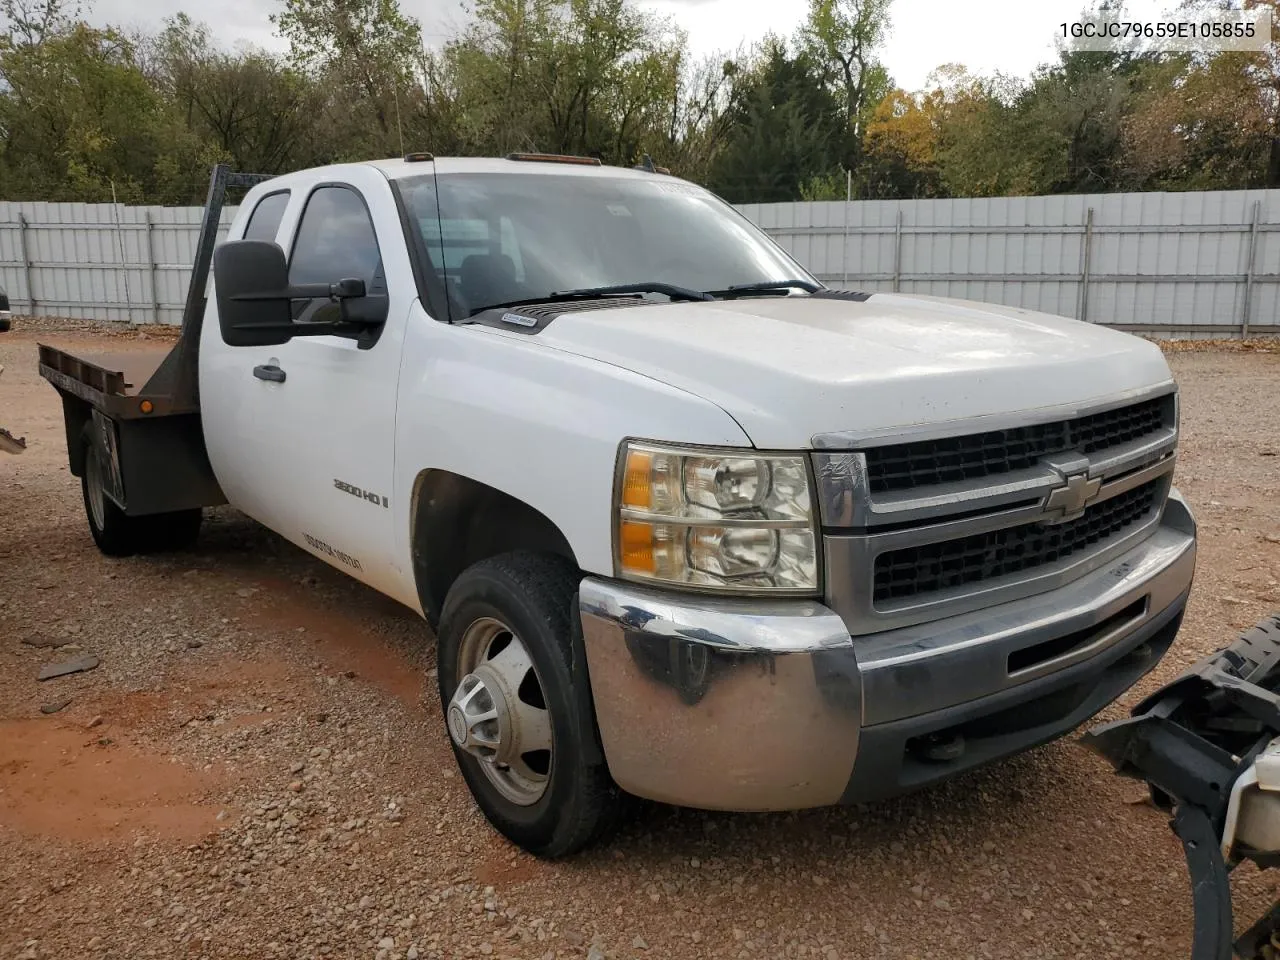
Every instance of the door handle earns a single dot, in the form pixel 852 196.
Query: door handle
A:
pixel 270 372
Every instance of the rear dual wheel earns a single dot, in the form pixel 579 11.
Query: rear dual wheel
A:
pixel 525 741
pixel 115 532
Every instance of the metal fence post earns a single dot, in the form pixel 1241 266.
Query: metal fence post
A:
pixel 26 264
pixel 897 253
pixel 848 202
pixel 155 271
pixel 1086 264
pixel 124 257
pixel 1248 277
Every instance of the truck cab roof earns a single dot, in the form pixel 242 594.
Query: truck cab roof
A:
pixel 399 168
pixel 559 166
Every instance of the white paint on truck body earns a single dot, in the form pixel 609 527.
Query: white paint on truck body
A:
pixel 791 368
pixel 541 417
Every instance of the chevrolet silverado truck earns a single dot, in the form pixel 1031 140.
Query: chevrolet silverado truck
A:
pixel 687 524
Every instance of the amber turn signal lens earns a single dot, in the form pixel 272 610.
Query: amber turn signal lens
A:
pixel 636 544
pixel 637 480
pixel 147 406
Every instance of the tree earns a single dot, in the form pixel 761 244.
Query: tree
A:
pixel 699 124
pixel 1209 122
pixel 901 150
pixel 981 135
pixel 31 21
pixel 364 53
pixel 495 65
pixel 88 111
pixel 842 36
pixel 1265 69
pixel 788 129
pixel 1061 132
pixel 1078 107
pixel 254 111
pixel 78 115
pixel 570 76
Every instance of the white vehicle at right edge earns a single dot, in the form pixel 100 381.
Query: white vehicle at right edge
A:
pixel 688 525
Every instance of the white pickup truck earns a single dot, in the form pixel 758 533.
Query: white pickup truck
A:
pixel 688 525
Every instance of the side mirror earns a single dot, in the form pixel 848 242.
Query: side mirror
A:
pixel 347 290
pixel 251 280
pixel 255 301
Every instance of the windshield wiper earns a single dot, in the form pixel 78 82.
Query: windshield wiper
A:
pixel 768 286
pixel 665 289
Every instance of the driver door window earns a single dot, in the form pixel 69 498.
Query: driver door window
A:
pixel 335 241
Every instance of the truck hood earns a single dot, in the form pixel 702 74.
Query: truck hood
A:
pixel 790 368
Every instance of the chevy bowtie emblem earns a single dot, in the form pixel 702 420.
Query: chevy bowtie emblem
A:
pixel 1069 501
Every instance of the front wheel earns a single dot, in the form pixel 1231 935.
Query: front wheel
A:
pixel 115 532
pixel 525 744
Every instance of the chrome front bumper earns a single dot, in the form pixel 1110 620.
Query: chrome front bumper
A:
pixel 750 705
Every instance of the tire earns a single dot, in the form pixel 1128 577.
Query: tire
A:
pixel 531 597
pixel 119 535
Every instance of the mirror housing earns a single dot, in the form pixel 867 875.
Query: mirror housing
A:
pixel 255 301
pixel 251 280
pixel 350 289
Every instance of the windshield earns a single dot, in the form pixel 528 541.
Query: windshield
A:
pixel 502 238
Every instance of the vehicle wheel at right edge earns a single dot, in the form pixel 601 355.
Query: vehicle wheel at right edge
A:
pixel 526 746
pixel 119 535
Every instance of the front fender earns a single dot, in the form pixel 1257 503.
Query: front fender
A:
pixel 539 424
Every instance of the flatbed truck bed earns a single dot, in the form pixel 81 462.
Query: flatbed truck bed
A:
pixel 138 411
pixel 112 381
pixel 148 440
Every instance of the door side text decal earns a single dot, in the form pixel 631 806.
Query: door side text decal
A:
pixel 367 495
pixel 322 547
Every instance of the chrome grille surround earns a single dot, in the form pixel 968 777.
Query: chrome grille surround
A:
pixel 936 523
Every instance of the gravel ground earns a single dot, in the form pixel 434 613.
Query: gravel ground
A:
pixel 258 769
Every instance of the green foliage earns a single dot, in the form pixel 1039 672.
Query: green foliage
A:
pixel 842 36
pixel 89 112
pixel 825 186
pixel 78 116
pixel 247 109
pixel 591 77
pixel 1207 123
pixel 362 54
pixel 787 129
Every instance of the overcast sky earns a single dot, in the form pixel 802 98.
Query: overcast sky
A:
pixel 1012 36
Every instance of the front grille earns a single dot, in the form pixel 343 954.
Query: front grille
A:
pixel 911 572
pixel 927 462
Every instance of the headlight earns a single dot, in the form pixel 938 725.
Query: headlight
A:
pixel 733 521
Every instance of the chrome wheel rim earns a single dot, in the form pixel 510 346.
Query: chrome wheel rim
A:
pixel 498 713
pixel 93 481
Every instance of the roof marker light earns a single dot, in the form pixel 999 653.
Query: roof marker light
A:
pixel 554 158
